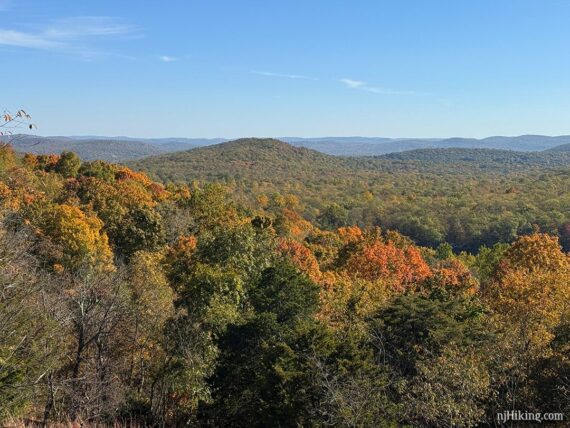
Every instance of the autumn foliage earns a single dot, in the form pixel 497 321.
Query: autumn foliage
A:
pixel 301 257
pixel 77 236
pixel 383 260
pixel 146 304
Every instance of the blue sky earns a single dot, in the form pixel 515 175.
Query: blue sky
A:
pixel 205 68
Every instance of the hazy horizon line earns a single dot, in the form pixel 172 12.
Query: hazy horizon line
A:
pixel 284 136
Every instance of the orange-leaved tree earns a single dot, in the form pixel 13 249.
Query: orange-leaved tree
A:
pixel 402 268
pixel 300 256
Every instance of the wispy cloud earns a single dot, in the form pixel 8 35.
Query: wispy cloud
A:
pixel 166 58
pixel 349 83
pixel 28 40
pixel 353 84
pixel 364 86
pixel 283 75
pixel 88 26
pixel 71 35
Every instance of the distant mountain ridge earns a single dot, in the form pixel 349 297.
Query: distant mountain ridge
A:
pixel 560 148
pixel 482 158
pixel 242 159
pixel 361 146
pixel 253 159
pixel 112 149
pixel 120 149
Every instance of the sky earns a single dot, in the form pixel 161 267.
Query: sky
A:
pixel 212 68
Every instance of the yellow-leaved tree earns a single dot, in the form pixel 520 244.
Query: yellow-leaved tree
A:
pixel 77 237
pixel 532 286
pixel 530 295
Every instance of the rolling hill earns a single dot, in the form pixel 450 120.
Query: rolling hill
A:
pixel 275 161
pixel 112 149
pixel 244 159
pixel 483 158
pixel 119 149
pixel 429 194
pixel 560 148
pixel 359 146
pixel 86 149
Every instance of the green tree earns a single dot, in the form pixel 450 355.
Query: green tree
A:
pixel 139 229
pixel 488 259
pixel 333 217
pixel 68 164
pixel 26 346
pixel 436 349
pixel 263 376
pixel 98 169
pixel 444 251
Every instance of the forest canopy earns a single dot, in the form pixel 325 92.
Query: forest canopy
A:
pixel 465 197
pixel 343 292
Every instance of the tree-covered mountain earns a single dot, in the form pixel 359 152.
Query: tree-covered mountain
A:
pixel 483 158
pixel 270 159
pixel 111 149
pixel 561 148
pixel 87 149
pixel 244 159
pixel 467 197
pixel 361 146
pixel 117 149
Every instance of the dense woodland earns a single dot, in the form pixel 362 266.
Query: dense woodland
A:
pixel 285 302
pixel 464 197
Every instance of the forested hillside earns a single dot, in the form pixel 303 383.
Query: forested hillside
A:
pixel 561 148
pixel 371 146
pixel 126 301
pixel 245 159
pixel 485 159
pixel 117 149
pixel 111 149
pixel 466 197
pixel 88 149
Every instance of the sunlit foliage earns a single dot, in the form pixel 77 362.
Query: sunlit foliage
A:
pixel 126 301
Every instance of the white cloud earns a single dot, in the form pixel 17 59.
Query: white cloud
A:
pixel 283 75
pixel 353 84
pixel 71 35
pixel 28 40
pixel 349 83
pixel 364 86
pixel 87 26
pixel 166 58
